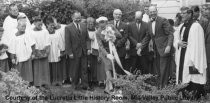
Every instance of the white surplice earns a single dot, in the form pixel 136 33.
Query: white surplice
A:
pixel 10 25
pixel 94 42
pixel 41 38
pixel 21 46
pixel 55 47
pixel 61 32
pixel 195 55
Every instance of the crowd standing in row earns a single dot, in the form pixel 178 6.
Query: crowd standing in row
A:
pixel 49 53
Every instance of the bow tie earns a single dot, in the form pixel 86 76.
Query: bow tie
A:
pixel 91 29
pixel 152 20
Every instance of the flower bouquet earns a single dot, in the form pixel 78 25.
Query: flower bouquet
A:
pixel 110 33
pixel 38 54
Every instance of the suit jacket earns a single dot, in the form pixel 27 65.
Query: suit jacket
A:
pixel 76 42
pixel 120 42
pixel 136 36
pixel 163 36
pixel 204 23
pixel 207 43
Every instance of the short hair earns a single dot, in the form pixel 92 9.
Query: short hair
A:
pixel 37 19
pixel 138 13
pixel 195 8
pixel 178 15
pixel 21 22
pixel 75 12
pixel 184 8
pixel 153 6
pixel 12 5
pixel 49 19
pixel 204 5
pixel 89 19
pixel 117 10
pixel 171 22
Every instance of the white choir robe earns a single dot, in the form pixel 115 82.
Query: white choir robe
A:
pixel 10 25
pixel 195 55
pixel 55 47
pixel 94 42
pixel 61 32
pixel 21 46
pixel 41 38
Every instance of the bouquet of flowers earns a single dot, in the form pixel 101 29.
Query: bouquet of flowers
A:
pixel 109 33
pixel 38 54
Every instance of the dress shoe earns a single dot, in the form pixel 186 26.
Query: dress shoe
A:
pixel 67 81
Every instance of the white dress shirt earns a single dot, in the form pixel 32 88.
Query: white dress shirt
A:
pixel 153 27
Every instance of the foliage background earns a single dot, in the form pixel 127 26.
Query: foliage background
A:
pixel 63 9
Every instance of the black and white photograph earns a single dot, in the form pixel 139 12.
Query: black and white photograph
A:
pixel 104 51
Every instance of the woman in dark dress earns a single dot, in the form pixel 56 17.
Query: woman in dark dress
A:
pixel 104 52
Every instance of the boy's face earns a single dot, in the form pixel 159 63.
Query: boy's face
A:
pixel 38 25
pixel 21 27
pixel 91 24
pixel 14 10
pixel 51 27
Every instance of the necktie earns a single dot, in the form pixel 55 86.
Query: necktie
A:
pixel 138 26
pixel 116 25
pixel 78 27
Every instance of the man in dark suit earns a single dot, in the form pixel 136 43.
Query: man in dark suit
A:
pixel 207 44
pixel 120 43
pixel 162 36
pixel 77 48
pixel 200 18
pixel 137 31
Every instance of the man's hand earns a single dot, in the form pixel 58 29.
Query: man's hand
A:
pixel 182 44
pixel 167 50
pixel 71 56
pixel 110 56
pixel 14 62
pixel 88 52
pixel 138 45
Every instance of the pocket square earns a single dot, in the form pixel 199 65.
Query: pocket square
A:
pixel 121 30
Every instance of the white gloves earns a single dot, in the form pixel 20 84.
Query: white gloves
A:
pixel 110 56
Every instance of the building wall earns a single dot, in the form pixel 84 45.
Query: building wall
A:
pixel 167 8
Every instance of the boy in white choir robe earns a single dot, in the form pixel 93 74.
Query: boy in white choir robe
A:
pixel 64 65
pixel 21 49
pixel 3 56
pixel 55 53
pixel 93 57
pixel 42 46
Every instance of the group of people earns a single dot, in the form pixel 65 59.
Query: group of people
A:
pixel 49 53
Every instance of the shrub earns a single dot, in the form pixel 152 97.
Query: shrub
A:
pixel 145 88
pixel 63 9
pixel 12 85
